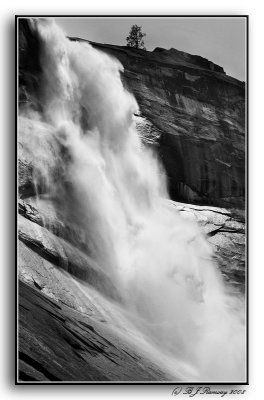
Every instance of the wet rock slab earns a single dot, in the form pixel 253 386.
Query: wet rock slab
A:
pixel 57 343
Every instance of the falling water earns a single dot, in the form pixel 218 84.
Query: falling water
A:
pixel 98 170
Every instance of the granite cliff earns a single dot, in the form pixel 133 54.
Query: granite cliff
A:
pixel 195 117
pixel 195 114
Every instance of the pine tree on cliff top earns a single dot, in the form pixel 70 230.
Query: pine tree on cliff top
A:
pixel 135 37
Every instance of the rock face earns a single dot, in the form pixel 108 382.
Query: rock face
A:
pixel 225 231
pixel 197 115
pixel 194 114
pixel 82 348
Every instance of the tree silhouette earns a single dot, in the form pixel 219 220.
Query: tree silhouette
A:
pixel 135 37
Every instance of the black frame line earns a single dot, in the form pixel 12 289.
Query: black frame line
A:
pixel 19 383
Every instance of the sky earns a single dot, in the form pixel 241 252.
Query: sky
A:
pixel 221 40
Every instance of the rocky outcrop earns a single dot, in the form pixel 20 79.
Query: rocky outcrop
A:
pixel 225 231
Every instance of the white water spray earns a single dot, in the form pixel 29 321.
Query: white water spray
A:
pixel 160 263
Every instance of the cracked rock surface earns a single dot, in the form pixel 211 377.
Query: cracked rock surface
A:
pixel 225 231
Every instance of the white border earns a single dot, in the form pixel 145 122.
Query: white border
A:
pixel 256 188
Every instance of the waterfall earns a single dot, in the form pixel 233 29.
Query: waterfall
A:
pixel 110 184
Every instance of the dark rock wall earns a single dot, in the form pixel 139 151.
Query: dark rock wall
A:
pixel 200 114
pixel 29 64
